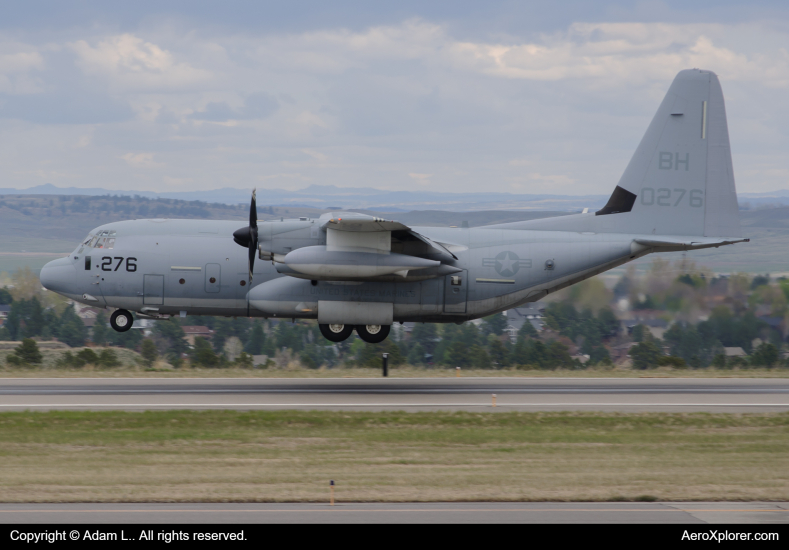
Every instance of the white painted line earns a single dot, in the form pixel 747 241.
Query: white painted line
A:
pixel 121 405
pixel 342 508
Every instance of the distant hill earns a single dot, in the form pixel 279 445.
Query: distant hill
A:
pixel 70 217
pixel 329 196
pixel 325 196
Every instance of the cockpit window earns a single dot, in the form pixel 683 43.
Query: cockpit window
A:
pixel 104 239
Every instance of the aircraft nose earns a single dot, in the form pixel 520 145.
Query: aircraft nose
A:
pixel 59 276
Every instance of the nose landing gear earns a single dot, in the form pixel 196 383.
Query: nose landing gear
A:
pixel 121 320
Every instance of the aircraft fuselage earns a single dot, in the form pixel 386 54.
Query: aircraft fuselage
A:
pixel 172 267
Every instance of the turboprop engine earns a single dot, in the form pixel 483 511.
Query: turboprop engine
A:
pixel 357 248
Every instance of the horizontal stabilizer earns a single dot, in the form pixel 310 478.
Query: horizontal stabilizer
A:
pixel 687 243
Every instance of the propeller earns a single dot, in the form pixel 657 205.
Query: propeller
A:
pixel 248 236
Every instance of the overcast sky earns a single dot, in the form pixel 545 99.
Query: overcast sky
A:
pixel 449 96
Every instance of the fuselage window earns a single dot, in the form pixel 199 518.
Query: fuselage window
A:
pixel 87 263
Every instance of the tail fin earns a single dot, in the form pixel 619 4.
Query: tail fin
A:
pixel 680 179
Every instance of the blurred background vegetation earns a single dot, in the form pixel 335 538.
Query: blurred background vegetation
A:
pixel 675 315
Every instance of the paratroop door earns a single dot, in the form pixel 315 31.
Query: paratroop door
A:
pixel 213 274
pixel 153 290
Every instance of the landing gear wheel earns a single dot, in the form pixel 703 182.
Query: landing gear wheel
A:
pixel 373 334
pixel 121 320
pixel 336 333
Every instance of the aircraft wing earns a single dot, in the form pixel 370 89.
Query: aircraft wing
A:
pixel 353 221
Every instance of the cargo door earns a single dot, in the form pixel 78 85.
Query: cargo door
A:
pixel 456 292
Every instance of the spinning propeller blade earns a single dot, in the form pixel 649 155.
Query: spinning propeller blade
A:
pixel 248 236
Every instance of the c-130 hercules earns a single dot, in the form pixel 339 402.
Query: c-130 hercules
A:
pixel 356 272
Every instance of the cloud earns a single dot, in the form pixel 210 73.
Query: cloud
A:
pixel 141 160
pixel 131 63
pixel 421 179
pixel 176 181
pixel 256 106
pixel 315 154
pixel 66 107
pixel 16 67
pixel 562 109
pixel 617 52
pixel 20 62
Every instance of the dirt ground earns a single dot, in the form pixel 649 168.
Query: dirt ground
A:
pixel 132 367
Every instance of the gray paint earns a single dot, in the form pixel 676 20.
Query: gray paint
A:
pixel 462 513
pixel 355 313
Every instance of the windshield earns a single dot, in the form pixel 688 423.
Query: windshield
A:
pixel 104 239
pixel 101 239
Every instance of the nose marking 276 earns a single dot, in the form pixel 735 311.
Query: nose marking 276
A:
pixel 106 263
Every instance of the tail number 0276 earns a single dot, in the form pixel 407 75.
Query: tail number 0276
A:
pixel 671 197
pixel 107 261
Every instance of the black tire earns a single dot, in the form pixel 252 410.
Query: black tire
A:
pixel 336 333
pixel 121 320
pixel 373 334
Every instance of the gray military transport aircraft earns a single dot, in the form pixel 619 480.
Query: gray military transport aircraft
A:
pixel 356 272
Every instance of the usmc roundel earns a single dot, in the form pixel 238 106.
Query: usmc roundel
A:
pixel 507 264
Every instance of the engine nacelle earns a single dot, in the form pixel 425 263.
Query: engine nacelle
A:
pixel 319 263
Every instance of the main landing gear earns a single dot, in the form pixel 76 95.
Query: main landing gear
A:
pixel 372 334
pixel 121 320
pixel 336 333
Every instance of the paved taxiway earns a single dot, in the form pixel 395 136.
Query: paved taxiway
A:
pixel 436 512
pixel 524 394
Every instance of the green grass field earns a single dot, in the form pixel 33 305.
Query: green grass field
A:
pixel 224 456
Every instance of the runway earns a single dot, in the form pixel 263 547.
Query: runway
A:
pixel 416 512
pixel 471 394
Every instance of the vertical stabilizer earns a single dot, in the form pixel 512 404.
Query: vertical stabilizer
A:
pixel 680 179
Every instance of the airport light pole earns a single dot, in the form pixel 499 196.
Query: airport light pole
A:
pixel 386 364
